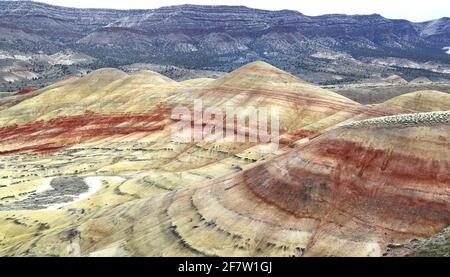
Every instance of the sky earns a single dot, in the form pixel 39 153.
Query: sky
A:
pixel 416 11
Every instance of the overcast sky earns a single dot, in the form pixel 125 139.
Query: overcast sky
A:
pixel 405 9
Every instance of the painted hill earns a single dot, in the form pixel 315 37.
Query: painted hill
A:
pixel 350 192
pixel 421 80
pixel 259 84
pixel 421 101
pixel 89 163
pixel 111 92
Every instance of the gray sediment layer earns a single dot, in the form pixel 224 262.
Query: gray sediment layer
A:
pixel 64 189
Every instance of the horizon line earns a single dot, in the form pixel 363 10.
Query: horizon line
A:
pixel 212 5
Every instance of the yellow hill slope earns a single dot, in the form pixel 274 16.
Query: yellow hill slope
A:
pixel 421 101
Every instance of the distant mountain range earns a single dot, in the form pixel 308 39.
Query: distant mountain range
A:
pixel 326 49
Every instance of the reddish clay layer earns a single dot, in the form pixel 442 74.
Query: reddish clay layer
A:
pixel 357 188
pixel 57 133
pixel 26 91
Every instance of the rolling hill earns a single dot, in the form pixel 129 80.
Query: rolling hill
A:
pixel 89 163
